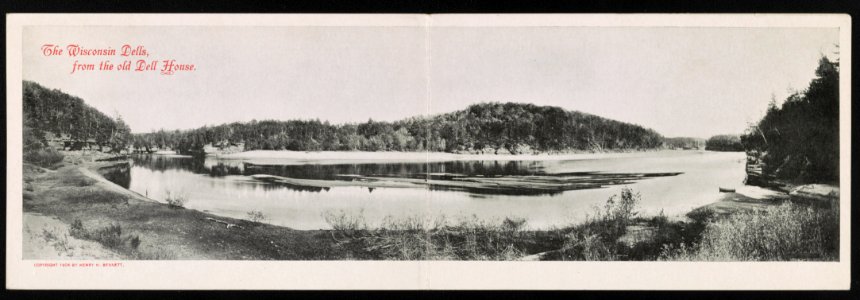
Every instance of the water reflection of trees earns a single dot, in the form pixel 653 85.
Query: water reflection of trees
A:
pixel 223 170
pixel 331 172
pixel 119 174
pixel 165 163
pixel 301 188
pixel 201 165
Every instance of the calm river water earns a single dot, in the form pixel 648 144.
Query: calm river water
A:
pixel 224 187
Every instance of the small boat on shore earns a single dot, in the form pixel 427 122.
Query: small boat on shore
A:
pixel 726 190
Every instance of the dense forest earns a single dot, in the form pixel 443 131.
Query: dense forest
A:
pixel 799 140
pixel 480 128
pixel 52 111
pixel 724 142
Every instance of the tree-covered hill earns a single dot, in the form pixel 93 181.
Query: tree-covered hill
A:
pixel 60 114
pixel 480 128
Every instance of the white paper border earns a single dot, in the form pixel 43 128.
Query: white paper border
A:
pixel 423 275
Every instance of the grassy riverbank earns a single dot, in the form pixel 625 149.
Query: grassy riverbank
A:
pixel 111 222
pixel 135 227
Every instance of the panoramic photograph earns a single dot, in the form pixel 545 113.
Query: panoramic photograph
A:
pixel 439 143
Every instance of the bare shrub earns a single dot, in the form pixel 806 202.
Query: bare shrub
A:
pixel 175 200
pixel 588 246
pixel 109 236
pixel 597 238
pixel 60 242
pixel 48 235
pixel 510 252
pixel 62 245
pixel 344 221
pixel 134 242
pixel 617 213
pixel 513 224
pixel 77 229
pixel 256 216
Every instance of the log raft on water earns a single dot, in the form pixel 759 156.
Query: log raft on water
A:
pixel 512 184
pixel 360 182
pixel 348 177
pixel 482 186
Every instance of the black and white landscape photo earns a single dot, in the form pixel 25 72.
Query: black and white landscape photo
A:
pixel 431 142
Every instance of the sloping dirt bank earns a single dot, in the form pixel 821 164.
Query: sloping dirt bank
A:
pixel 76 194
pixel 48 238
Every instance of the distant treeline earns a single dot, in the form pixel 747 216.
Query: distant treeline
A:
pixel 480 128
pixel 799 140
pixel 683 143
pixel 724 142
pixel 50 110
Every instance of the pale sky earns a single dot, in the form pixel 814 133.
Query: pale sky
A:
pixel 678 81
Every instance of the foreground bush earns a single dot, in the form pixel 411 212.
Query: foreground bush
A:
pixel 417 238
pixel 597 238
pixel 43 157
pixel 109 236
pixel 112 237
pixel 256 216
pixel 787 232
pixel 177 200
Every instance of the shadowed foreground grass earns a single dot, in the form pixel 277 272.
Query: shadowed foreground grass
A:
pixel 790 231
pixel 793 230
pixel 603 236
pixel 419 238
